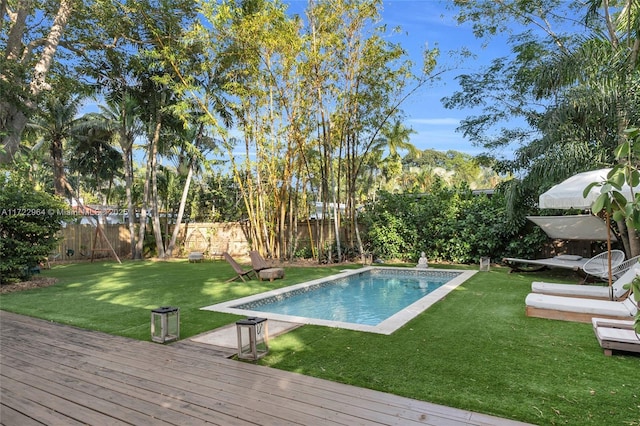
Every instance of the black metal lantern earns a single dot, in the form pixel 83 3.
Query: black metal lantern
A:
pixel 165 324
pixel 253 338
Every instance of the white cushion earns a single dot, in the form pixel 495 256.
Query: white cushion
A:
pixel 574 304
pixel 575 290
pixel 618 335
pixel 568 257
pixel 611 323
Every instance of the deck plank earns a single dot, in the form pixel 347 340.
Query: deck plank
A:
pixel 56 374
pixel 11 416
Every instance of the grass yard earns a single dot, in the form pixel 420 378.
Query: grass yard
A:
pixel 474 350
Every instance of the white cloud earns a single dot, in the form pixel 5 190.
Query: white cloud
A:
pixel 436 121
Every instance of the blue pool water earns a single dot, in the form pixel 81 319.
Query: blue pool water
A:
pixel 372 299
pixel 366 298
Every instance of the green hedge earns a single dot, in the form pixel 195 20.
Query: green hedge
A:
pixel 448 225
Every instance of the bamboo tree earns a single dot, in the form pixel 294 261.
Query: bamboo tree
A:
pixel 259 43
pixel 308 98
pixel 364 79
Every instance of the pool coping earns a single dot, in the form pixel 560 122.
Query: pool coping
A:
pixel 387 326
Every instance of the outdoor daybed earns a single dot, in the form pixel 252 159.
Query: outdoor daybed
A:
pixel 577 309
pixel 615 292
pixel 566 261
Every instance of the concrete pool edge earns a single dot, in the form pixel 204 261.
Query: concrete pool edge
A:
pixel 387 326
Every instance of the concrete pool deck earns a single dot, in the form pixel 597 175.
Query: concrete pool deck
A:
pixel 227 336
pixel 386 326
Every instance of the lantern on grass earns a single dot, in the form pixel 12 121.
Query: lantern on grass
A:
pixel 485 264
pixel 253 338
pixel 165 324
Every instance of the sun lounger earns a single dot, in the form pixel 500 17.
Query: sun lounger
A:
pixel 240 273
pixel 577 309
pixel 615 292
pixel 616 335
pixel 567 261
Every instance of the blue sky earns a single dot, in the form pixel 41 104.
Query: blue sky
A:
pixel 429 22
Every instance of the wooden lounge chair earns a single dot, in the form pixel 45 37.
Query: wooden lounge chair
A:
pixel 577 309
pixel 257 261
pixel 263 269
pixel 617 291
pixel 241 273
pixel 616 335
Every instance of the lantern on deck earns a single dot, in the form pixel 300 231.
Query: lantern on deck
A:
pixel 253 338
pixel 165 324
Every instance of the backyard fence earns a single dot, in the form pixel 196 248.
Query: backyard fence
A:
pixel 78 241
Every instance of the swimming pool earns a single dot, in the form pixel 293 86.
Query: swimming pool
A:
pixel 372 299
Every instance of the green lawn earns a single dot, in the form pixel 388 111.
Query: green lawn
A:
pixel 474 350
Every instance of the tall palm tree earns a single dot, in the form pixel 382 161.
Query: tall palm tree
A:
pixel 56 122
pixel 93 156
pixel 396 137
pixel 121 117
pixel 393 138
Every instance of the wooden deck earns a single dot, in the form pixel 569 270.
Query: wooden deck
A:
pixel 59 375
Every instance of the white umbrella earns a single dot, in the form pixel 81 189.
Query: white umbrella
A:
pixel 573 227
pixel 569 194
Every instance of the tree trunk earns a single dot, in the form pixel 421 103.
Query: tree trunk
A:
pixel 155 207
pixel 127 157
pixel 630 240
pixel 59 177
pixel 183 202
pixel 14 121
pixel 634 242
pixel 14 117
pixel 143 210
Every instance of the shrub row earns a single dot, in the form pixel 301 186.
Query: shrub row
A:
pixel 448 224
